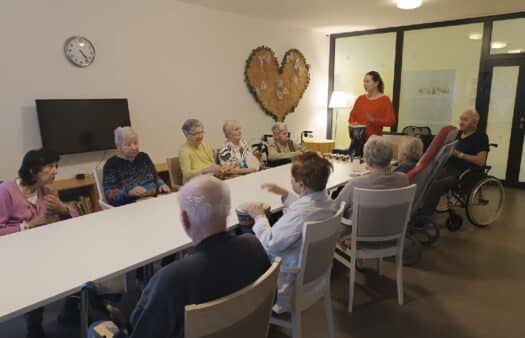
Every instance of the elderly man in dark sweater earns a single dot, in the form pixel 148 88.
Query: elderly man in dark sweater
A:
pixel 220 264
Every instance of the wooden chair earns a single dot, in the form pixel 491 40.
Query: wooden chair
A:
pixel 245 313
pixel 379 223
pixel 312 282
pixel 175 173
pixel 98 174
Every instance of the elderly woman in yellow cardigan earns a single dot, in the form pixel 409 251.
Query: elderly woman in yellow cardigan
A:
pixel 195 156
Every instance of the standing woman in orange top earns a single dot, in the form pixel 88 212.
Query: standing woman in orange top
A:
pixel 373 109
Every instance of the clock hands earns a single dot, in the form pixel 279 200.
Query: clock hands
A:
pixel 84 55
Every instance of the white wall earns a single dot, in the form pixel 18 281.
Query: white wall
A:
pixel 171 60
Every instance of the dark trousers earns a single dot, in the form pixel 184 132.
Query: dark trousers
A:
pixel 445 180
pixel 34 320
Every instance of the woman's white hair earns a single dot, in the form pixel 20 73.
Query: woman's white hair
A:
pixel 278 127
pixel 378 152
pixel 228 125
pixel 412 149
pixel 122 133
pixel 206 200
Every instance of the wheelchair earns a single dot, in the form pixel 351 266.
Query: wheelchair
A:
pixel 481 195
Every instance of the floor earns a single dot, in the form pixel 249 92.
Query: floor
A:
pixel 470 284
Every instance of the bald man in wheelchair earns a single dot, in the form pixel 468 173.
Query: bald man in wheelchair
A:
pixel 471 152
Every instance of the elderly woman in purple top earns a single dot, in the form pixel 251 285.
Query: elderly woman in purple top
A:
pixel 27 202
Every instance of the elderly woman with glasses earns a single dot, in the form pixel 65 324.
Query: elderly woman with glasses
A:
pixel 195 156
pixel 282 147
pixel 130 175
pixel 378 154
pixel 235 152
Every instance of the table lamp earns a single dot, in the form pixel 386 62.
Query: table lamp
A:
pixel 337 101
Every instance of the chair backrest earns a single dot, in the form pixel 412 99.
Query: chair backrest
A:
pixel 317 250
pixel 425 178
pixel 175 172
pixel 98 174
pixel 381 215
pixel 446 135
pixel 245 313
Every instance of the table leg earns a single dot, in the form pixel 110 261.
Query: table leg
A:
pixel 84 305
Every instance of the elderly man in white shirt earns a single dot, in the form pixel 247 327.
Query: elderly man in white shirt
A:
pixel 310 202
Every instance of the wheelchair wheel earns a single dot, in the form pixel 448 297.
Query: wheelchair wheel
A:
pixel 425 230
pixel 485 202
pixel 454 222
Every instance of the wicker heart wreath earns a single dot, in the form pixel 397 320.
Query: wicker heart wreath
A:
pixel 277 89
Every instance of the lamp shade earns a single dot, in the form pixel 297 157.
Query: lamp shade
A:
pixel 338 100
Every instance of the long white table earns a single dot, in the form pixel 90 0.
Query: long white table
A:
pixel 46 264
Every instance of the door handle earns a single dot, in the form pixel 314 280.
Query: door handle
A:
pixel 522 122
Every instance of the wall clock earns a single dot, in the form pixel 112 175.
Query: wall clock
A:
pixel 79 51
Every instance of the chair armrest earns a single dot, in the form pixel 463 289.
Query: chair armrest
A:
pixel 105 205
pixel 346 221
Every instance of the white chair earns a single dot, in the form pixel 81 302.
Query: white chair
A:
pixel 98 174
pixel 245 313
pixel 312 282
pixel 379 223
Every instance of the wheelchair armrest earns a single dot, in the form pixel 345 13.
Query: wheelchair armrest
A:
pixel 465 173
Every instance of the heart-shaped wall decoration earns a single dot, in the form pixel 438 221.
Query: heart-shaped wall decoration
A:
pixel 278 90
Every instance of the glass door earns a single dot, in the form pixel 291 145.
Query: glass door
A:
pixel 506 120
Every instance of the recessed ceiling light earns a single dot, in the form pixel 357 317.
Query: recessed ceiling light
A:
pixel 409 4
pixel 498 45
pixel 515 51
pixel 475 36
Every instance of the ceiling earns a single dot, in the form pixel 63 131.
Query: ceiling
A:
pixel 335 16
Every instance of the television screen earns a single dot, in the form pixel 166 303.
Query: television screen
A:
pixel 77 126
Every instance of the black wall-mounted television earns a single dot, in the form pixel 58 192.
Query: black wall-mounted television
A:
pixel 80 125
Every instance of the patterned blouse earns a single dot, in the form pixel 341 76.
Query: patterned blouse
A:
pixel 235 156
pixel 120 176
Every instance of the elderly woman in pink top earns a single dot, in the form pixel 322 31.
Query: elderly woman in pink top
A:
pixel 27 202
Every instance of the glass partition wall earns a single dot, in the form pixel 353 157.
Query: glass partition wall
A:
pixel 438 80
pixel 355 56
pixel 433 72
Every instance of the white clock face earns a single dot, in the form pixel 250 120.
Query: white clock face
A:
pixel 80 51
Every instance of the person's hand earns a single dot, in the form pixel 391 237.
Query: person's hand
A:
pixel 214 169
pixel 39 221
pixel 164 189
pixel 138 192
pixel 255 209
pixel 55 205
pixel 227 169
pixel 274 188
pixel 370 117
pixel 251 170
pixel 456 153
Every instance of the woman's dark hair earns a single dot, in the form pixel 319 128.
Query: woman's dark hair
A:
pixel 377 78
pixel 33 162
pixel 312 170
